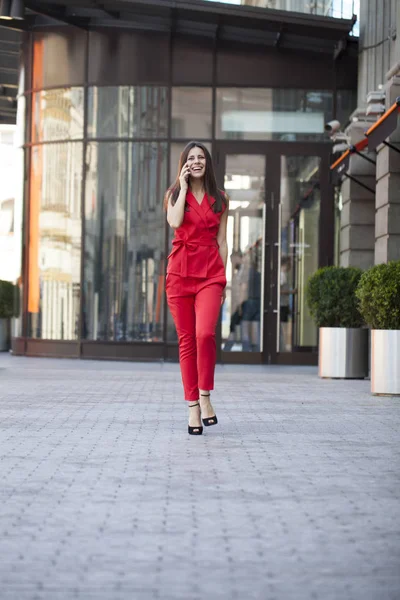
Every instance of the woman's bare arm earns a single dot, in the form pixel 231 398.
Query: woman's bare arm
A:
pixel 176 213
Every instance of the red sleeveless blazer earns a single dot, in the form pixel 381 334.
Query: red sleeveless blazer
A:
pixel 195 250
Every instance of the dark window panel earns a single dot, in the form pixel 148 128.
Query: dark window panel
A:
pixel 347 73
pixel 192 61
pixel 346 103
pixel 243 65
pixel 191 113
pixel 124 243
pixel 123 111
pixel 128 58
pixel 59 58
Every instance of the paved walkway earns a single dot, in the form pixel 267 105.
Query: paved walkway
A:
pixel 104 496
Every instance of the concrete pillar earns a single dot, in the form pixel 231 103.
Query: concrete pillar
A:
pixel 357 222
pixel 387 224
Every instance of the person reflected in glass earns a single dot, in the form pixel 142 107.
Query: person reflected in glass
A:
pixel 195 284
pixel 286 293
pixel 236 304
pixel 250 324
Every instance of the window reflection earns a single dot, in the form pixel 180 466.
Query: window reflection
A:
pixel 242 311
pixel 191 113
pixel 272 114
pixel 55 241
pixel 124 241
pixel 57 115
pixel 127 111
pixel 299 245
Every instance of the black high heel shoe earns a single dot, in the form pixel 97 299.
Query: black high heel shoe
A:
pixel 195 430
pixel 209 420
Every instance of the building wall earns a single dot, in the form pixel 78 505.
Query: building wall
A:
pixel 96 234
pixel 379 47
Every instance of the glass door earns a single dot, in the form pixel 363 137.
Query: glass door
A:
pixel 280 202
pixel 242 317
pixel 298 257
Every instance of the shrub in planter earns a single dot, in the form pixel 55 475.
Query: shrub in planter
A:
pixel 343 344
pixel 6 300
pixel 379 297
pixel 378 294
pixel 6 312
pixel 331 297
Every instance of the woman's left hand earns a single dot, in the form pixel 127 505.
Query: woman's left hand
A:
pixel 223 297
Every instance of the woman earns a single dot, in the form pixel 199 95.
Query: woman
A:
pixel 196 279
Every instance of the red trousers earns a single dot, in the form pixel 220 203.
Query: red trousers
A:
pixel 195 305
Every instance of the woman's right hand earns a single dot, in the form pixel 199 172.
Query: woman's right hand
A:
pixel 184 177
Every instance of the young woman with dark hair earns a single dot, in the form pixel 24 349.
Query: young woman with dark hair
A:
pixel 198 212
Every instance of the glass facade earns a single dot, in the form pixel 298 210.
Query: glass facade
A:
pixel 103 145
pixel 124 241
pixel 127 111
pixel 55 241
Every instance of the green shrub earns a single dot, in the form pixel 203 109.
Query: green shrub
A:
pixel 379 296
pixel 7 292
pixel 331 297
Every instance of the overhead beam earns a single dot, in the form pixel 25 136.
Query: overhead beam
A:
pixel 8 61
pixel 9 35
pixel 8 92
pixel 62 15
pixel 9 47
pixel 9 79
pixel 8 119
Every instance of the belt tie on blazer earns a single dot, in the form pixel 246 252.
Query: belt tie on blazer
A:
pixel 191 245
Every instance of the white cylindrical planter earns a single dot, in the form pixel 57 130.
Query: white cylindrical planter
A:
pixel 385 362
pixel 343 353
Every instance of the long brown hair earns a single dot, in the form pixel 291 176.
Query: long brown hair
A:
pixel 210 183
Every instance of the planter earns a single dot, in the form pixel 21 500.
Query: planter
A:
pixel 385 362
pixel 4 337
pixel 343 353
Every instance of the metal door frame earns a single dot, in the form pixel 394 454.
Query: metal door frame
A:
pixel 273 151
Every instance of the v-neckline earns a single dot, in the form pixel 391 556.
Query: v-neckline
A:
pixel 197 202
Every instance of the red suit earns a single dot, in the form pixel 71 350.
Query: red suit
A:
pixel 195 283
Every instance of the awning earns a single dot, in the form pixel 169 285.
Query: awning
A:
pixel 381 130
pixel 340 167
pixel 375 135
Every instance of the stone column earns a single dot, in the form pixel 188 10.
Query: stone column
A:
pixel 387 224
pixel 357 222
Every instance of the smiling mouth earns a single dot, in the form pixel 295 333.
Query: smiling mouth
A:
pixel 197 169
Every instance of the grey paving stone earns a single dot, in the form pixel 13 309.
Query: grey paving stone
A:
pixel 104 496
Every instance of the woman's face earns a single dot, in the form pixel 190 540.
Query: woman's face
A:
pixel 196 161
